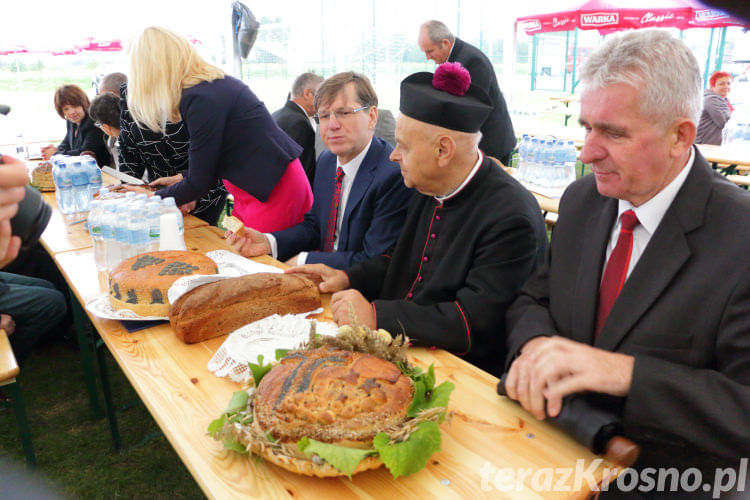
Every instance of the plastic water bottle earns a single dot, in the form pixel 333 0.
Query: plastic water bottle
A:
pixel 559 154
pixel 66 201
pixel 95 177
pixel 138 229
pixel 548 163
pixel 738 135
pixel 169 206
pixel 153 212
pixel 571 157
pixel 531 162
pixel 95 230
pixel 523 157
pixel 22 151
pixel 80 185
pixel 121 230
pixel 108 220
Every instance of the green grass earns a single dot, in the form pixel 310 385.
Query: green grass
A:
pixel 74 453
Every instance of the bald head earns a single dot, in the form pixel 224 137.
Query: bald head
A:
pixel 434 160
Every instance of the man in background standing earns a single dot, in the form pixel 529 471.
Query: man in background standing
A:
pixel 295 118
pixel 438 43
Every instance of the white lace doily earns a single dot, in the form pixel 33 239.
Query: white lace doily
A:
pixel 262 337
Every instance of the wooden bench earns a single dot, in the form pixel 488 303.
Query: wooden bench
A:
pixel 8 372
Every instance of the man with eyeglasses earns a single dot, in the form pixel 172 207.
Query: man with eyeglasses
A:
pixel 360 200
pixel 471 237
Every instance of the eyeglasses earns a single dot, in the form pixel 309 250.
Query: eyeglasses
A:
pixel 339 114
pixel 98 124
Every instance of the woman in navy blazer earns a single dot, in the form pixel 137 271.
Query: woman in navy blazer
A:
pixel 231 134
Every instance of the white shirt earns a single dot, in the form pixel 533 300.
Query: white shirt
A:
pixel 649 216
pixel 441 199
pixel 350 172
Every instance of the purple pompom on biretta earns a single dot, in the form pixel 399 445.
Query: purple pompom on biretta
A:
pixel 452 77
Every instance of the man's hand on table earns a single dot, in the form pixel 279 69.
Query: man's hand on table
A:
pixel 363 310
pixel 166 181
pixel 13 178
pixel 550 368
pixel 7 323
pixel 251 244
pixel 329 280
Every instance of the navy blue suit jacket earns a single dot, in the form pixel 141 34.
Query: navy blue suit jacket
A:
pixel 373 217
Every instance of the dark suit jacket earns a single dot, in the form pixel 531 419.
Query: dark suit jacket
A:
pixel 498 138
pixel 373 216
pixel 85 137
pixel 294 121
pixel 684 314
pixel 231 136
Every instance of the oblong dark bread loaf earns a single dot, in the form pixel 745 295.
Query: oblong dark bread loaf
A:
pixel 221 307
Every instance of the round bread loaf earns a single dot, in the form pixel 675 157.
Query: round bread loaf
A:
pixel 141 282
pixel 333 396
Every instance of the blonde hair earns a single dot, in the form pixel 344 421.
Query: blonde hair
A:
pixel 162 64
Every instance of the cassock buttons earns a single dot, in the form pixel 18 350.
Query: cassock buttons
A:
pixel 433 236
pixel 437 217
pixel 426 259
pixel 409 295
pixel 419 278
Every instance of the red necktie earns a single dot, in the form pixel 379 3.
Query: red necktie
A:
pixel 616 269
pixel 333 214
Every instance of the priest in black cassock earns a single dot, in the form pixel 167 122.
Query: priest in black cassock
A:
pixel 471 237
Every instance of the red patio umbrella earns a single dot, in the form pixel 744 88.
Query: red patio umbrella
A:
pixel 612 15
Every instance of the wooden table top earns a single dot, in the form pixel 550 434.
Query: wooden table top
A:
pixel 8 366
pixel 486 432
pixel 725 155
pixel 740 180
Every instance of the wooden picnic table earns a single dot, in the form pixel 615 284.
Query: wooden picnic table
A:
pixel 487 433
pixel 729 160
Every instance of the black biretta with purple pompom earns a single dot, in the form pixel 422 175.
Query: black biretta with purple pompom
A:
pixel 446 98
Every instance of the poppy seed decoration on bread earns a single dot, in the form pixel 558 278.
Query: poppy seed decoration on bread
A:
pixel 338 406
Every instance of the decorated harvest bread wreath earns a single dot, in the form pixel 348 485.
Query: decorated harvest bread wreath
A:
pixel 338 406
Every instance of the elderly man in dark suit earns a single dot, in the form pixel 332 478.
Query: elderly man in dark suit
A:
pixel 438 43
pixel 472 235
pixel 359 201
pixel 643 306
pixel 295 118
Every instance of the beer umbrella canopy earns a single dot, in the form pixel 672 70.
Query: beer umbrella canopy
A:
pixel 612 15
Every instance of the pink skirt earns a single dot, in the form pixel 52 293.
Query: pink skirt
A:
pixel 290 199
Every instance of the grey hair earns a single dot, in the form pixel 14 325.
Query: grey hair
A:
pixel 662 68
pixel 112 83
pixel 305 81
pixel 437 31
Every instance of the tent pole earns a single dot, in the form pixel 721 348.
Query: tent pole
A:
pixel 565 62
pixel 573 82
pixel 534 44
pixel 708 58
pixel 722 44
